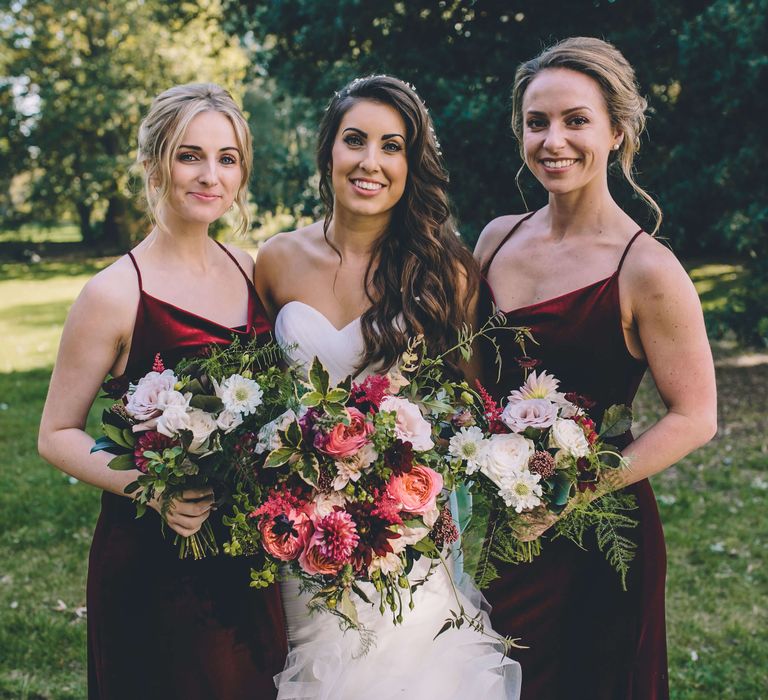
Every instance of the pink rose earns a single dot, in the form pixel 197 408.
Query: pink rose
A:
pixel 529 413
pixel 284 536
pixel 416 490
pixel 142 399
pixel 313 561
pixel 345 440
pixel 410 425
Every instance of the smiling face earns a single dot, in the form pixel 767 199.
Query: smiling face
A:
pixel 206 171
pixel 567 131
pixel 369 167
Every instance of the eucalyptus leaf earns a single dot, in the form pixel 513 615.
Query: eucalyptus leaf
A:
pixel 123 462
pixel 617 419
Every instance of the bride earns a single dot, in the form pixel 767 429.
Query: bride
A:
pixel 384 265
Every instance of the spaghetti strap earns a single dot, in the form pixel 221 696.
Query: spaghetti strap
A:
pixel 234 260
pixel 138 272
pixel 487 265
pixel 626 250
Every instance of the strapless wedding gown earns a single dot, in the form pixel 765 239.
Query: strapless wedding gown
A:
pixel 326 663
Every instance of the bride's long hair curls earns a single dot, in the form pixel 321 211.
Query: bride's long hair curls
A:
pixel 419 268
pixel 606 65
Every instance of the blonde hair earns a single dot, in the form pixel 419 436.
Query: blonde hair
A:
pixel 161 133
pixel 605 64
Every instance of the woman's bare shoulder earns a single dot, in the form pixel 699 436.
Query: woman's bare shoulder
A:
pixel 492 235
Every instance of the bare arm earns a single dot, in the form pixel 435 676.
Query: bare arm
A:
pixel 670 326
pixel 94 339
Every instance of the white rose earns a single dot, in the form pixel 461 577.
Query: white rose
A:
pixel 568 435
pixel 228 421
pixel 410 425
pixel 325 503
pixel 143 397
pixel 529 413
pixel 174 419
pixel 201 424
pixel 505 455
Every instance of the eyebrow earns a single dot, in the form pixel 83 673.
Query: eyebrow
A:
pixel 384 137
pixel 197 148
pixel 565 111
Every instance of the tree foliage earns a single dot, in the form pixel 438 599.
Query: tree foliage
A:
pixel 85 73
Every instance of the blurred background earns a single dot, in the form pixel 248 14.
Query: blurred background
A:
pixel 76 78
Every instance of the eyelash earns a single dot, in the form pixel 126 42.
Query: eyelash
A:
pixel 185 158
pixel 354 141
pixel 539 123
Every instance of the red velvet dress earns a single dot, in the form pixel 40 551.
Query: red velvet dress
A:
pixel 161 627
pixel 588 639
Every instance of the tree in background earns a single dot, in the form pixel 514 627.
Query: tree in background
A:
pixel 85 73
pixel 700 62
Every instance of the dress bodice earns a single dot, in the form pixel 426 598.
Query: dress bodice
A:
pixel 306 333
pixel 162 327
pixel 579 338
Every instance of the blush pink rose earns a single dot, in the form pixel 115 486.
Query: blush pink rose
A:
pixel 529 413
pixel 410 425
pixel 313 561
pixel 346 440
pixel 417 489
pixel 286 546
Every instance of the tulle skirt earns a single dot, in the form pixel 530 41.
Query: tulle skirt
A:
pixel 327 663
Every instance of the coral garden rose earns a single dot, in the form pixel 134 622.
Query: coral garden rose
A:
pixel 569 436
pixel 284 537
pixel 142 403
pixel 312 560
pixel 416 490
pixel 345 440
pixel 504 455
pixel 410 425
pixel 529 413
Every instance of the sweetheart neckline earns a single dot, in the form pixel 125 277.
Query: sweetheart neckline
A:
pixel 320 314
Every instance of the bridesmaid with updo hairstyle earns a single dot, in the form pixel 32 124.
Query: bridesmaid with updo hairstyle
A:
pixel 604 301
pixel 160 627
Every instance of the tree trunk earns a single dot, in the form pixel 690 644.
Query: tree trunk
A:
pixel 121 227
pixel 87 232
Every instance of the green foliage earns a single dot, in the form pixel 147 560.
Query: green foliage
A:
pixel 82 76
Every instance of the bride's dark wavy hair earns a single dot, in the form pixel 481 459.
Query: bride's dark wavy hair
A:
pixel 419 268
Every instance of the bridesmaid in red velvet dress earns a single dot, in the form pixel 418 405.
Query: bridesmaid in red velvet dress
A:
pixel 604 301
pixel 160 627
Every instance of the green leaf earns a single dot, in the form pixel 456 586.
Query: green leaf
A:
pixel 347 607
pixel 104 443
pixel 116 435
pixel 617 419
pixel 448 624
pixel 310 469
pixel 278 457
pixel 312 399
pixel 209 404
pixel 130 437
pixel 293 434
pixel 337 396
pixel 335 410
pixel 361 593
pixel 561 489
pixel 133 486
pixel 111 418
pixel 123 462
pixel 318 377
pixel 425 546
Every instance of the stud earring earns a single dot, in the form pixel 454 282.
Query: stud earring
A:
pixel 615 147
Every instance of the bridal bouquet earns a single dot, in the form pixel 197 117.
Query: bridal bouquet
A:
pixel 173 425
pixel 344 487
pixel 539 454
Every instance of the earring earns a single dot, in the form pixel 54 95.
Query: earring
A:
pixel 615 147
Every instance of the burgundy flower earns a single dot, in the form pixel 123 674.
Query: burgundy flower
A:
pixel 374 533
pixel 399 457
pixel 580 400
pixel 150 441
pixel 116 387
pixel 543 464
pixel 527 362
pixel 445 530
pixel 491 410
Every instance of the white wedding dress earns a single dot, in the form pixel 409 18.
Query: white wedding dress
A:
pixel 326 663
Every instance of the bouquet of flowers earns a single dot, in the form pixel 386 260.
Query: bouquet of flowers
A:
pixel 345 488
pixel 540 452
pixel 172 425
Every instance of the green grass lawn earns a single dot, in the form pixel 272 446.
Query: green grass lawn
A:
pixel 711 504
